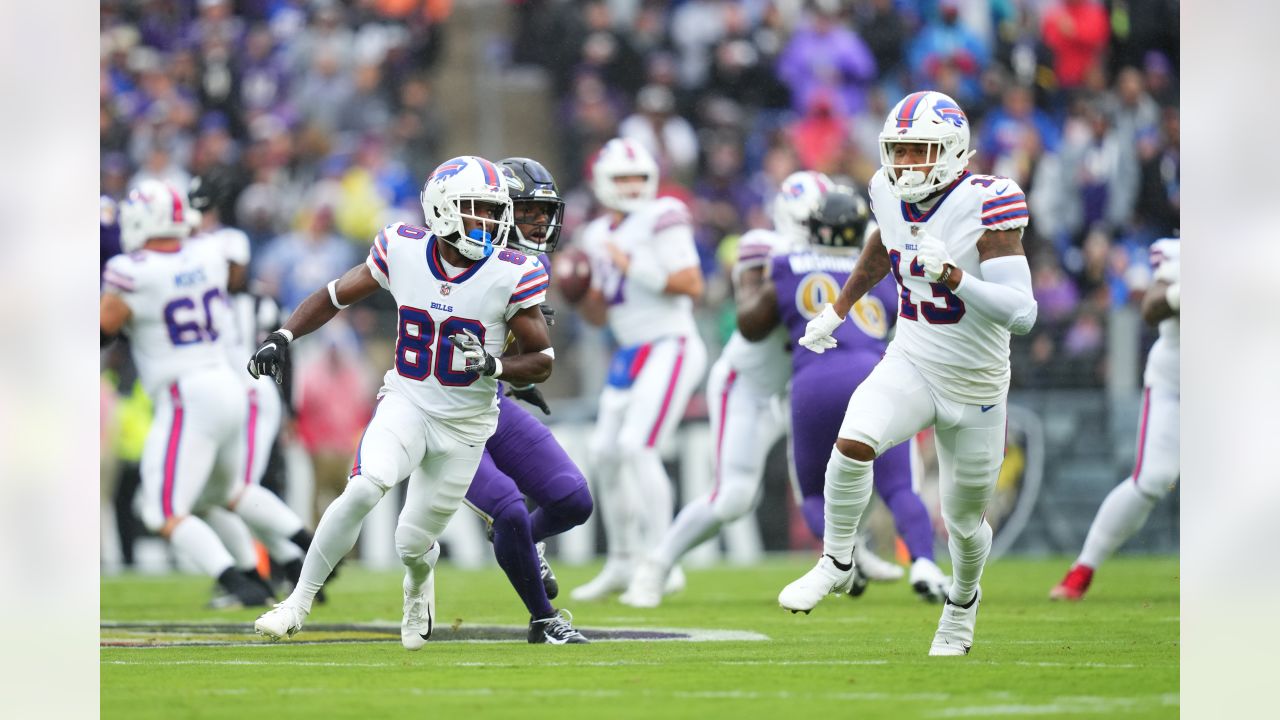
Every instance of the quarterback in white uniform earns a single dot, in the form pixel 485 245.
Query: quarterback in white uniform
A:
pixel 1155 471
pixel 170 298
pixel 459 291
pixel 953 242
pixel 645 276
pixel 741 387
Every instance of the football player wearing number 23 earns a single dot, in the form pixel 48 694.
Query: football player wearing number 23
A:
pixel 459 291
pixel 953 241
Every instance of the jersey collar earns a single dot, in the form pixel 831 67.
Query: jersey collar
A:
pixel 914 214
pixel 437 267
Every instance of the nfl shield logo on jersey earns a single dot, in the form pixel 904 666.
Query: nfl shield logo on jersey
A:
pixel 445 288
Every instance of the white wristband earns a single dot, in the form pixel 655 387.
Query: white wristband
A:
pixel 497 367
pixel 287 335
pixel 333 295
pixel 1173 296
pixel 549 352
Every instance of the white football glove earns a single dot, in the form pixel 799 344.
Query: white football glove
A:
pixel 817 334
pixel 933 257
pixel 1168 271
pixel 475 358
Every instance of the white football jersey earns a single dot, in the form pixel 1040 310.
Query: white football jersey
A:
pixel 1162 362
pixel 763 364
pixel 963 355
pixel 246 310
pixel 178 310
pixel 435 302
pixel 661 235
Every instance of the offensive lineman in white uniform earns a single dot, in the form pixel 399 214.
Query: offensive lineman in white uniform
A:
pixel 645 276
pixel 1156 470
pixel 170 297
pixel 740 389
pixel 459 292
pixel 954 244
pixel 271 520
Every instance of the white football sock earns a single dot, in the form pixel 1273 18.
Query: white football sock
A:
pixel 696 523
pixel 654 485
pixel 199 543
pixel 335 536
pixel 845 497
pixel 234 534
pixel 968 556
pixel 266 513
pixel 1122 514
pixel 615 510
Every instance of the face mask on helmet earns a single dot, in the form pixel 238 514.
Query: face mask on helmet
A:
pixel 624 175
pixel 152 210
pixel 924 145
pixel 840 220
pixel 466 204
pixel 538 207
pixel 797 200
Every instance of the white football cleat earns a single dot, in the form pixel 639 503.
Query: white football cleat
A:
pixel 955 628
pixel 646 588
pixel 420 610
pixel 928 581
pixel 614 578
pixel 825 578
pixel 676 581
pixel 874 567
pixel 280 622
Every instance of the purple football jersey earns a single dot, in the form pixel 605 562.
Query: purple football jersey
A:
pixel 807 281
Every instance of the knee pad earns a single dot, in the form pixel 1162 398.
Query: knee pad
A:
pixel 412 542
pixel 1157 478
pixel 512 517
pixel 364 491
pixel 574 508
pixel 733 499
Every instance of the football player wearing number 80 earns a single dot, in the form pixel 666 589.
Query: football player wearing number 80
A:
pixel 953 242
pixel 170 297
pixel 523 458
pixel 459 292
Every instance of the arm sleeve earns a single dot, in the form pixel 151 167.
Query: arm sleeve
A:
pixel 120 278
pixel 1004 295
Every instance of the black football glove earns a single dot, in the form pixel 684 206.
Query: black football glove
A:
pixel 272 358
pixel 475 358
pixel 530 394
pixel 549 313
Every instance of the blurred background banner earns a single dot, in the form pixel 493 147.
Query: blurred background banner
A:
pixel 326 116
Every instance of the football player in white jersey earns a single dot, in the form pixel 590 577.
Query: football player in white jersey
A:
pixel 741 387
pixel 459 291
pixel 271 520
pixel 645 277
pixel 1156 470
pixel 170 298
pixel 953 242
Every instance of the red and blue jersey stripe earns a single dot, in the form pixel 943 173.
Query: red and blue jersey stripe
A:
pixel 378 253
pixel 1005 208
pixel 535 281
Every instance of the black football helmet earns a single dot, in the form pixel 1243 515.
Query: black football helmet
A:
pixel 531 184
pixel 211 190
pixel 841 219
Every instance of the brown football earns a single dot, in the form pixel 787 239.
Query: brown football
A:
pixel 571 274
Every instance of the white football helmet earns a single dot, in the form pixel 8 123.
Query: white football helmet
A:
pixel 153 209
pixel 796 203
pixel 932 119
pixel 618 158
pixel 449 196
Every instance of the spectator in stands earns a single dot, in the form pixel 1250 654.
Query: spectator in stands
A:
pixel 1077 32
pixel 296 263
pixel 826 57
pixel 667 136
pixel 1158 208
pixel 946 43
pixel 1003 142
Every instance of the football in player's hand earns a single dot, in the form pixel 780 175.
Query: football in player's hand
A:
pixel 571 273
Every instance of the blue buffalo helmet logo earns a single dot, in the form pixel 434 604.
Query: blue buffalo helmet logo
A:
pixel 448 169
pixel 950 112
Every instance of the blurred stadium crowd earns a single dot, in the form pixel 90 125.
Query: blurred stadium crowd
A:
pixel 327 116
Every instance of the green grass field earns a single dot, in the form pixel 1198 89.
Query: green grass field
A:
pixel 1115 654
